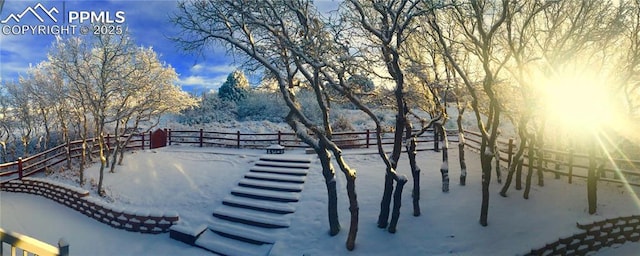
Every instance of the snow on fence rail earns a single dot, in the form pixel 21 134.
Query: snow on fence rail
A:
pixel 345 140
pixel 65 153
pixel 135 220
pixel 26 166
pixel 46 160
pixel 564 163
pixel 31 246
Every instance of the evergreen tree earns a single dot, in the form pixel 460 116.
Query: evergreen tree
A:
pixel 235 88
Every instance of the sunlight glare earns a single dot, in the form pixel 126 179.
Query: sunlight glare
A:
pixel 618 172
pixel 578 102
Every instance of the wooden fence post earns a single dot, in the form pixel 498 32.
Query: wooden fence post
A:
pixel 279 138
pixel 368 137
pixel 63 247
pixel 510 156
pixel 68 153
pixel 142 134
pixel 592 180
pixel 570 165
pixel 557 165
pixel 20 168
pixel 167 136
pixel 238 139
pixel 108 140
pixel 436 146
pixel 201 137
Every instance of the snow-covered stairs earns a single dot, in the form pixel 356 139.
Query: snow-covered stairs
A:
pixel 249 219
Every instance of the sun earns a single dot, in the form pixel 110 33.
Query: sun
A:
pixel 578 103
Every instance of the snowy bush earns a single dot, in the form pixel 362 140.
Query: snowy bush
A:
pixel 258 106
pixel 342 124
pixel 310 106
pixel 211 109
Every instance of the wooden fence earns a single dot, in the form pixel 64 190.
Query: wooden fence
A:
pixel 73 150
pixel 63 153
pixel 30 246
pixel 570 164
pixel 561 163
pixel 346 140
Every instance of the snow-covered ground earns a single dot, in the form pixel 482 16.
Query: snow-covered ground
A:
pixel 193 181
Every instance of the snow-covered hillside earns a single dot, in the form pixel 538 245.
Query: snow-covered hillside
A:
pixel 193 181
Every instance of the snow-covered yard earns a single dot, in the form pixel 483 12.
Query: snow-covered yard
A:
pixel 193 181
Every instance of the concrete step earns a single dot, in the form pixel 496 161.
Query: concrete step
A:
pixel 251 217
pixel 283 164
pixel 270 185
pixel 216 243
pixel 275 177
pixel 279 170
pixel 268 195
pixel 258 205
pixel 287 158
pixel 243 232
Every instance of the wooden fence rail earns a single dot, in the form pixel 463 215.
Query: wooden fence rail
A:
pixel 29 165
pixel 565 163
pixel 26 166
pixel 346 140
pixel 30 246
pixel 562 163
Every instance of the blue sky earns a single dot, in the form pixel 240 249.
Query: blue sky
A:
pixel 147 21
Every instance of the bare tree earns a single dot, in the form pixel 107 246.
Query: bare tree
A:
pixel 5 124
pixel 286 39
pixel 100 70
pixel 479 22
pixel 147 94
pixel 26 120
pixel 387 25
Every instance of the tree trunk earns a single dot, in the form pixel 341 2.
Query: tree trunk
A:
pixel 354 209
pixel 513 168
pixel 47 129
pixel 415 175
pixel 559 158
pixel 485 161
pixel 3 146
pixel 463 165
pixel 444 168
pixel 117 147
pixel 519 174
pixel 411 146
pixel 529 171
pixel 68 149
pixel 83 160
pixel 103 163
pixel 397 199
pixel 540 159
pixel 498 170
pixel 462 141
pixel 383 217
pixel 330 182
pixel 114 158
pixel 592 181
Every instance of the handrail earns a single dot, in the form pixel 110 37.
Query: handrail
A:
pixel 31 245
